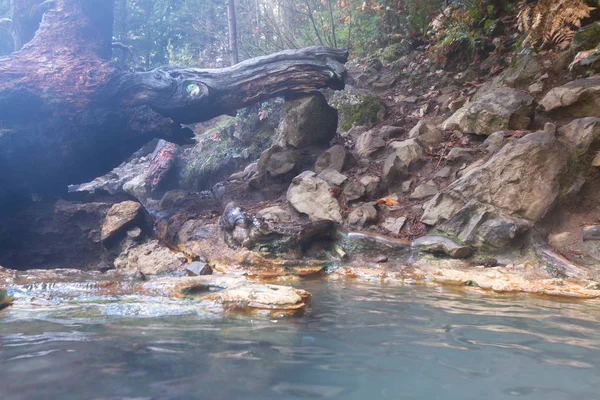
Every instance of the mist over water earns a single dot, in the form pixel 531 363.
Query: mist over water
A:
pixel 357 342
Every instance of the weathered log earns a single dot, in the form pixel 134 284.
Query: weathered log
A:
pixel 67 114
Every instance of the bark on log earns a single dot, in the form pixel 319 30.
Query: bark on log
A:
pixel 67 114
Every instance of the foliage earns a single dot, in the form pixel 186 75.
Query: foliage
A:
pixel 552 21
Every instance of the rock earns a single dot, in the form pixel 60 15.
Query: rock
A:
pixel 494 142
pixel 444 173
pixel 591 232
pixel 333 177
pixel 586 38
pixel 358 107
pixel 394 171
pixel 247 173
pixel 424 191
pixel 406 185
pixel 119 217
pixel 581 133
pixel 527 69
pixel 353 190
pixel 499 109
pixel 442 245
pixel 5 299
pixel 395 51
pixel 363 215
pixel 409 151
pixel 310 195
pixel 562 242
pixel 307 121
pixel 277 161
pixel 596 161
pixel 579 99
pixel 371 184
pixel 536 88
pixel 198 268
pixel 336 158
pixel 394 225
pixel 354 132
pixel 461 155
pixel 426 133
pixel 502 198
pixel 171 199
pixel 275 214
pixel 150 258
pixel 370 142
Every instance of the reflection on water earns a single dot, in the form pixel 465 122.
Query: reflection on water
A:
pixel 358 342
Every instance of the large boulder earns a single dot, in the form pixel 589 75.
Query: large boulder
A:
pixel 499 109
pixel 493 204
pixel 358 107
pixel 310 195
pixel 307 121
pixel 580 98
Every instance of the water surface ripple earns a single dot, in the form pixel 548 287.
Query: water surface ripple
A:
pixel 357 342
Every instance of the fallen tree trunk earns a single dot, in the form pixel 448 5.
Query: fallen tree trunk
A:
pixel 67 114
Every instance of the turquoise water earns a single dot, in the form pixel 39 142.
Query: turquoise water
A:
pixel 357 342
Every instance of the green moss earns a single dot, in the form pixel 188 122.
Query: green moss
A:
pixel 393 52
pixel 367 112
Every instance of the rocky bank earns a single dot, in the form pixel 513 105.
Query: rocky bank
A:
pixel 482 178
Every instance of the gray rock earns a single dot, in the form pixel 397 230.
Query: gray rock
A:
pixel 394 225
pixel 277 161
pixel 527 69
pixel 444 173
pixel 310 195
pixel 371 184
pixel 363 215
pixel 357 107
pixel 333 177
pixel 406 185
pixel 536 88
pixel 499 109
pixel 409 151
pixel 424 191
pixel 426 132
pixel 394 171
pixel 336 158
pixel 581 134
pixel 591 232
pixel 198 268
pixel 579 99
pixel 442 245
pixel 494 142
pixel 370 142
pixel 505 196
pixel 353 190
pixel 307 121
pixel 275 214
pixel 461 155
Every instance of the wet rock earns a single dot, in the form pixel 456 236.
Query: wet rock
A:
pixel 461 155
pixel 363 215
pixel 394 225
pixel 410 152
pixel 307 121
pixel 5 299
pixel 581 133
pixel 336 158
pixel 586 38
pixel 580 98
pixel 502 198
pixel 310 195
pixel 150 258
pixel 198 268
pixel 499 109
pixel 424 190
pixel 358 107
pixel 591 232
pixel 275 214
pixel 333 177
pixel 119 217
pixel 426 133
pixel 353 190
pixel 442 245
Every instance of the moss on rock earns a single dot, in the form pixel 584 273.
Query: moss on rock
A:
pixel 358 107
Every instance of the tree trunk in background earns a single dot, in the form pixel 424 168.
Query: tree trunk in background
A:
pixel 67 114
pixel 231 17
